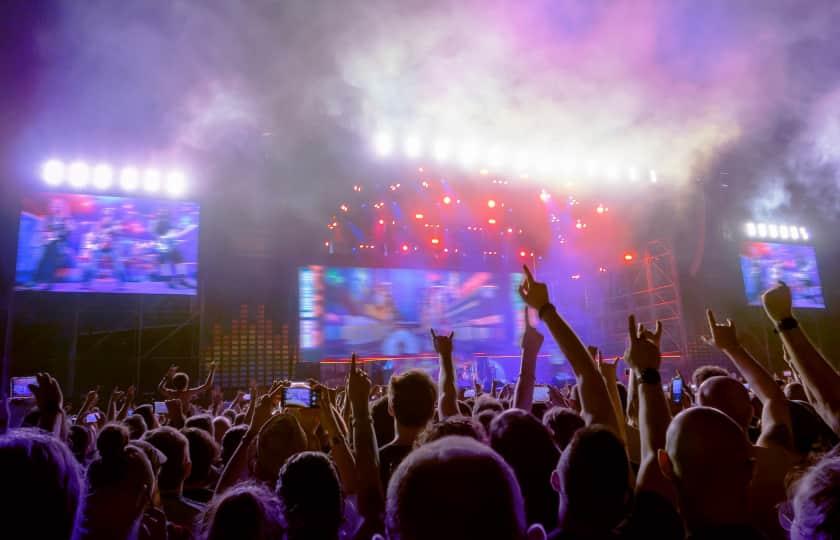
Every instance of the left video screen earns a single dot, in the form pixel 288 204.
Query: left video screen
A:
pixel 77 243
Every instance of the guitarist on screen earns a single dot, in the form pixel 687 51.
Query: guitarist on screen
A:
pixel 167 245
pixel 55 232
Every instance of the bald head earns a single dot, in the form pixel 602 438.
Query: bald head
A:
pixel 709 453
pixel 728 396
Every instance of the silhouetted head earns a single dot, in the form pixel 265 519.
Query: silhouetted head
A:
pixel 203 453
pixel 201 421
pixel 816 505
pixel 486 402
pixel 710 461
pixel 246 511
pixel 220 426
pixel 42 486
pixel 810 432
pixel 147 413
pixel 454 489
pixel 310 496
pixel 176 449
pixel 795 392
pixel 278 440
pixel 463 426
pixel 231 440
pixel 412 398
pixel 527 446
pixel 80 441
pixel 136 426
pixel 703 373
pixel 728 396
pixel 562 422
pixel 383 422
pixel 593 480
pixel 180 381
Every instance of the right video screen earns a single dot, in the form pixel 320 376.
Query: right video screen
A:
pixel 764 264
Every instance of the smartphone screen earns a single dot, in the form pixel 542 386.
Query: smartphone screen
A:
pixel 676 390
pixel 246 397
pixel 540 393
pixel 300 396
pixel 787 373
pixel 20 386
pixel 469 393
pixel 160 407
pixel 91 418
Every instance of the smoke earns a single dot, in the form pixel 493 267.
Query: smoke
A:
pixel 287 94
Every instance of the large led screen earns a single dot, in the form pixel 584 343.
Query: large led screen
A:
pixel 92 243
pixel 388 312
pixel 764 264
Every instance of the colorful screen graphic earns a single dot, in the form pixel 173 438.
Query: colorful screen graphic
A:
pixel 388 312
pixel 764 264
pixel 91 243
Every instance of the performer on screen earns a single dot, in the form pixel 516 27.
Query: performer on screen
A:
pixel 99 249
pixel 55 231
pixel 169 239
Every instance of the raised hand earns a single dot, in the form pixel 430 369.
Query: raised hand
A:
pixel 443 344
pixel 47 393
pixel 723 336
pixel 643 352
pixel 778 302
pixel 129 394
pixel 533 293
pixel 532 340
pixel 358 386
pixel 264 405
pixel 173 369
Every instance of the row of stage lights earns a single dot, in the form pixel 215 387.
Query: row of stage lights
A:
pixel 79 175
pixel 773 231
pixel 497 158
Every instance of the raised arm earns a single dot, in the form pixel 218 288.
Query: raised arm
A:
pixel 644 359
pixel 595 401
pixel 371 499
pixel 161 387
pixel 128 403
pixel 776 427
pixel 208 383
pixel 446 377
pixel 821 380
pixel 607 369
pixel 339 449
pixel 523 395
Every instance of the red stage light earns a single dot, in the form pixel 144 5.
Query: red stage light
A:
pixel 404 248
pixel 435 241
pixel 382 222
pixel 522 253
pixel 491 221
pixel 491 204
pixel 447 199
pixel 418 216
pixel 628 257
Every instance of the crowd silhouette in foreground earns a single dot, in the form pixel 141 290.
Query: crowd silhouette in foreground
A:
pixel 415 460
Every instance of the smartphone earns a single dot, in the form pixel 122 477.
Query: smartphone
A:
pixel 540 393
pixel 300 395
pixel 246 397
pixel 91 418
pixel 676 390
pixel 20 386
pixel 160 407
pixel 787 373
pixel 469 393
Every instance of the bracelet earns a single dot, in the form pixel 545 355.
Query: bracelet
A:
pixel 548 306
pixel 788 323
pixel 650 376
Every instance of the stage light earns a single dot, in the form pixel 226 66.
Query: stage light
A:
pixel 102 176
pixel 440 150
pixel 491 221
pixel 633 174
pixel 804 233
pixel 576 276
pixel 544 196
pixel 78 174
pixel 447 199
pixel 496 157
pixel 129 179
pixel 783 232
pixel 412 147
pixel 772 231
pixel 382 222
pixel 151 180
pixel 612 172
pixel 521 163
pixel 794 233
pixel 418 216
pixel 176 183
pixel 435 241
pixel 750 229
pixel 522 253
pixel 600 209
pixel 761 228
pixel 653 177
pixel 383 144
pixel 404 248
pixel 52 172
pixel 468 154
pixel 628 257
pixel 491 203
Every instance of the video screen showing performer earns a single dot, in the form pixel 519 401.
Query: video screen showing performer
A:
pixel 764 264
pixel 93 243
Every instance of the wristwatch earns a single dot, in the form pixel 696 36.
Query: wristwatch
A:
pixel 788 323
pixel 650 376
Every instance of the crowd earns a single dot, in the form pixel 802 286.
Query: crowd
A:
pixel 604 459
